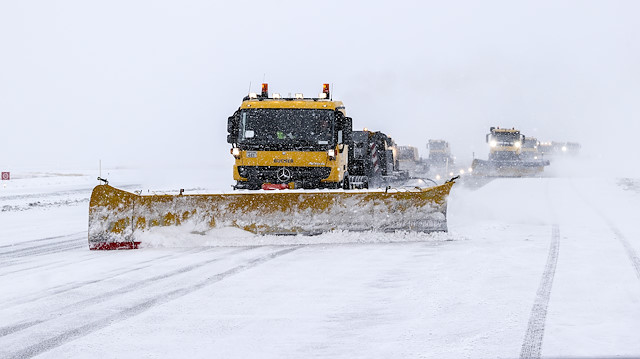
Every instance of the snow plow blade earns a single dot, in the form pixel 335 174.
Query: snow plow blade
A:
pixel 507 168
pixel 117 217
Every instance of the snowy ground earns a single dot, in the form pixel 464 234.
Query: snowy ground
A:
pixel 531 267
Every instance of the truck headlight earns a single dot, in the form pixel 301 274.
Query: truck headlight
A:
pixel 332 154
pixel 517 144
pixel 235 152
pixel 493 143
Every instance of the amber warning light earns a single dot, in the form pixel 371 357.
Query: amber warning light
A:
pixel 325 90
pixel 265 90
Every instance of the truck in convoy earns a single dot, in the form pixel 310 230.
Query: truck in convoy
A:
pixel 439 154
pixel 281 143
pixel 408 154
pixel 374 160
pixel 506 157
pixel 530 149
pixel 504 144
pixel 556 149
pixel 409 159
pixel 293 142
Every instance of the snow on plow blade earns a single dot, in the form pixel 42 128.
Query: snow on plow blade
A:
pixel 117 216
pixel 507 168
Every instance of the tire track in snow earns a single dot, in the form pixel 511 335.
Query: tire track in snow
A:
pixel 628 248
pixel 14 328
pixel 90 254
pixel 77 242
pixel 42 266
pixel 139 308
pixel 60 247
pixel 4 331
pixel 148 281
pixel 69 247
pixel 42 239
pixel 532 344
pixel 22 256
pixel 86 191
pixel 82 304
pixel 73 286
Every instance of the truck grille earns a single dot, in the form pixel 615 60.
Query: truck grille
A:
pixel 270 173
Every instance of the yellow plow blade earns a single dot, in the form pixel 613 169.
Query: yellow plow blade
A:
pixel 117 216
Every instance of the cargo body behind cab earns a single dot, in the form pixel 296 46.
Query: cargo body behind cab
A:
pixel 373 156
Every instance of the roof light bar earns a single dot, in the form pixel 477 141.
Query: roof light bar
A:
pixel 253 95
pixel 299 96
pixel 276 95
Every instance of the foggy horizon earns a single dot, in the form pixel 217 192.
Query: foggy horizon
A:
pixel 153 83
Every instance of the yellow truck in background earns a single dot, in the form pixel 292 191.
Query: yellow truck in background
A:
pixel 508 156
pixel 504 144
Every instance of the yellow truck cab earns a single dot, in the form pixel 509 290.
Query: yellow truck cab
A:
pixel 292 142
pixel 505 144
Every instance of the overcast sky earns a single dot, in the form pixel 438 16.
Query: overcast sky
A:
pixel 135 82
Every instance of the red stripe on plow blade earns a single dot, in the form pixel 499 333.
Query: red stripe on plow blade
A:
pixel 110 246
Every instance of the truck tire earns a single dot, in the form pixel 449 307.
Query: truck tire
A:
pixel 345 181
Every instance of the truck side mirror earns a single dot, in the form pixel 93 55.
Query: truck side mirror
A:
pixel 232 128
pixel 348 130
pixel 487 137
pixel 230 124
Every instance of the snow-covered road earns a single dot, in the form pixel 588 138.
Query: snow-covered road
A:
pixel 531 267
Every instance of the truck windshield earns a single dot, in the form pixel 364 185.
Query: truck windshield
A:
pixel 406 153
pixel 437 145
pixel 506 138
pixel 298 127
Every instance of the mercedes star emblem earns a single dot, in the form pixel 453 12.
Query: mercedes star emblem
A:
pixel 284 174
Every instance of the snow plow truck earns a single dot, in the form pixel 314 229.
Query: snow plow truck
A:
pixel 506 156
pixel 292 172
pixel 440 154
pixel 410 161
pixel 374 161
